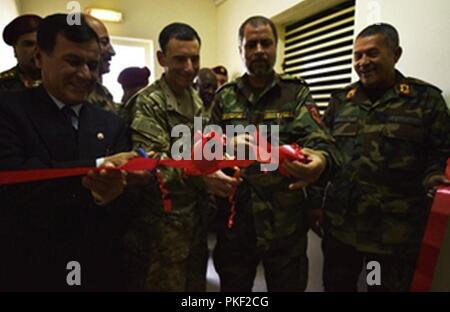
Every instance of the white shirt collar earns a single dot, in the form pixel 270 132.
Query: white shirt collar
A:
pixel 61 105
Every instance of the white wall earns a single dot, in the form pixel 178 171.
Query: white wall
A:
pixel 8 12
pixel 230 15
pixel 424 28
pixel 146 18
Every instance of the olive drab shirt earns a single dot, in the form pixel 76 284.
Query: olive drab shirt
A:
pixel 158 110
pixel 287 102
pixel 127 110
pixel 377 201
pixel 11 80
pixel 102 98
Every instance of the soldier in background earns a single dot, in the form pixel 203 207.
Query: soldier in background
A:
pixel 101 95
pixel 169 241
pixel 133 80
pixel 221 74
pixel 20 33
pixel 270 223
pixel 394 135
pixel 206 84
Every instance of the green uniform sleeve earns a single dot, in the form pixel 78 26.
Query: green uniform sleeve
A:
pixel 438 142
pixel 312 133
pixel 151 131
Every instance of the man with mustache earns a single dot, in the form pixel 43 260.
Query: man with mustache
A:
pixel 20 33
pixel 270 223
pixel 394 135
pixel 101 95
pixel 169 241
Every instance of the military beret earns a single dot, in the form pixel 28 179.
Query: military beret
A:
pixel 20 25
pixel 133 76
pixel 220 70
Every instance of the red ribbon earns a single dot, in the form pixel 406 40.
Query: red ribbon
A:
pixel 438 221
pixel 196 167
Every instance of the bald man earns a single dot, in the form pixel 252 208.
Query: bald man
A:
pixel 206 83
pixel 101 95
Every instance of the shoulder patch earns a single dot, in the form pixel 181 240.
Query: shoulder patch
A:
pixel 314 112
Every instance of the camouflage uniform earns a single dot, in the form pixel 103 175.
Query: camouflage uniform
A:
pixel 128 109
pixel 270 223
pixel 11 80
pixel 376 205
pixel 103 99
pixel 169 244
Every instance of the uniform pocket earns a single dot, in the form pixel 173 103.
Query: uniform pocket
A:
pixel 402 144
pixel 345 129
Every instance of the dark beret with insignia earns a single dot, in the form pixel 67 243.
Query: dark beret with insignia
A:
pixel 133 77
pixel 20 25
pixel 220 70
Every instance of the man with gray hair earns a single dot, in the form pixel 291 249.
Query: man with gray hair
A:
pixel 394 135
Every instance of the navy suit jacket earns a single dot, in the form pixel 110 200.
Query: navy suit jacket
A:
pixel 46 224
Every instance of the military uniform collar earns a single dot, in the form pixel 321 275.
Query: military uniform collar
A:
pixel 243 85
pixel 61 105
pixel 401 88
pixel 172 103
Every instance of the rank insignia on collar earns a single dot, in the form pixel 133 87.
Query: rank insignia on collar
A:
pixel 350 94
pixel 404 89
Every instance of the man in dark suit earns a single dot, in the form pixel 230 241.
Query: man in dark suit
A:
pixel 46 225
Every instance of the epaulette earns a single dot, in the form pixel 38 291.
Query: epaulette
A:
pixel 415 81
pixel 7 75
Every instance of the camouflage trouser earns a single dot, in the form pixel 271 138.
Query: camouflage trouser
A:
pixel 343 265
pixel 175 258
pixel 285 264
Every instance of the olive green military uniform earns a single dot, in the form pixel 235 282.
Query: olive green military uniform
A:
pixel 376 206
pixel 168 240
pixel 127 110
pixel 103 99
pixel 11 80
pixel 270 224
